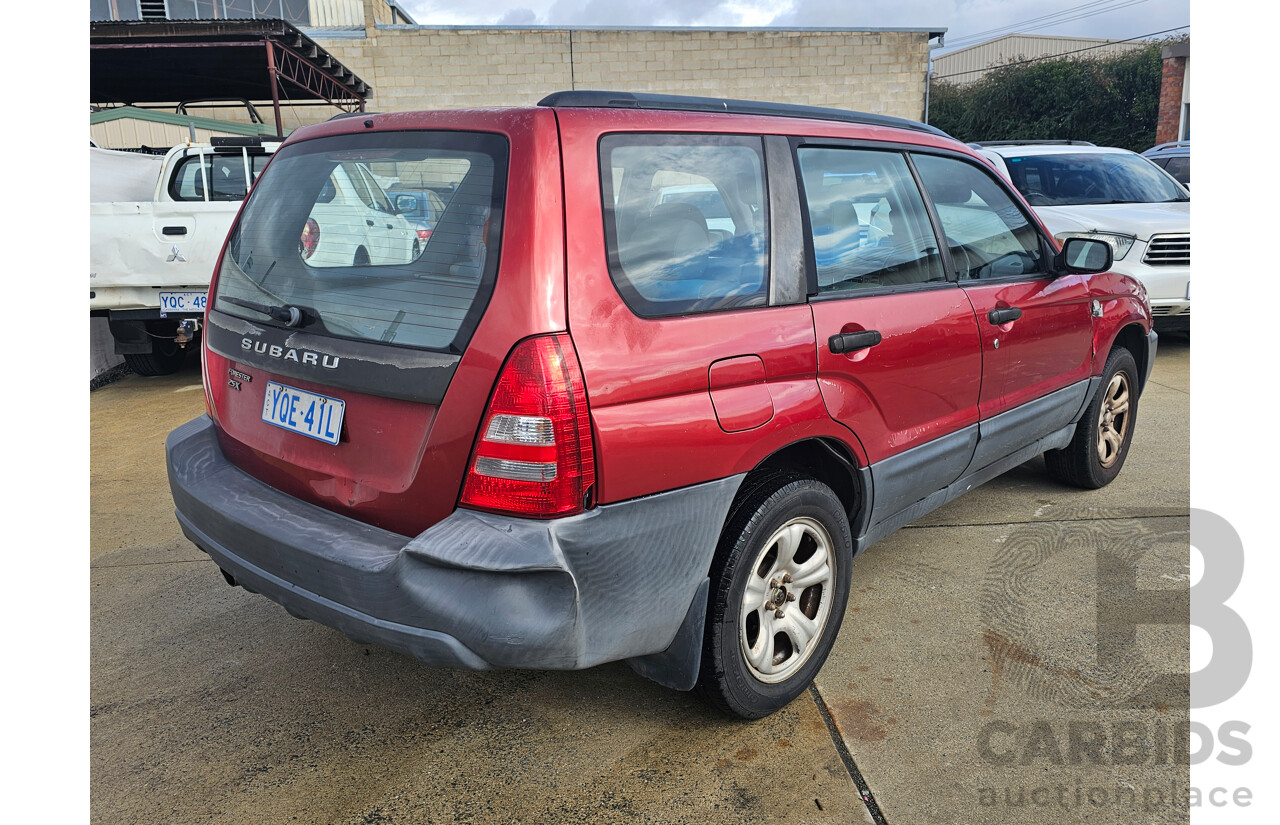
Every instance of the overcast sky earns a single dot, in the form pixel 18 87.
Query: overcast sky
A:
pixel 966 21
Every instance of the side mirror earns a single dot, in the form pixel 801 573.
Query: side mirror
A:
pixel 1084 255
pixel 406 203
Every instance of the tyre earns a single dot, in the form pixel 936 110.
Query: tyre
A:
pixel 1101 442
pixel 165 358
pixel 779 586
pixel 361 257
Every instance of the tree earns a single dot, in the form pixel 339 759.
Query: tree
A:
pixel 1110 101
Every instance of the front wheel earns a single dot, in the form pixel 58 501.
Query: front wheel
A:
pixel 780 584
pixel 1101 442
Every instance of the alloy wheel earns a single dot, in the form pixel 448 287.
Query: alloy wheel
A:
pixel 1113 420
pixel 787 600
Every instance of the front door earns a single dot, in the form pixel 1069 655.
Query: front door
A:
pixel 1037 337
pixel 899 359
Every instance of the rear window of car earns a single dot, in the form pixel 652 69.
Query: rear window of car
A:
pixel 321 234
pixel 221 179
pixel 686 221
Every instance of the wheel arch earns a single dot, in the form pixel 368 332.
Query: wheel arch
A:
pixel 1133 338
pixel 827 460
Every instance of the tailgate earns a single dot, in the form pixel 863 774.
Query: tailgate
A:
pixel 349 360
pixel 136 248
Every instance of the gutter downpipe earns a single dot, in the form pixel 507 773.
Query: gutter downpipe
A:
pixel 928 81
pixel 928 77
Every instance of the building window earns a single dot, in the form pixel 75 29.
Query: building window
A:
pixel 114 10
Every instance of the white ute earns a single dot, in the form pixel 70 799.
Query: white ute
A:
pixel 156 229
pixel 1114 195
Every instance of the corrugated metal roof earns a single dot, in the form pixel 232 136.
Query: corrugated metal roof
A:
pixel 229 127
pixel 970 64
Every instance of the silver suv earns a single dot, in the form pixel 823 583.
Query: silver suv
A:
pixel 1114 195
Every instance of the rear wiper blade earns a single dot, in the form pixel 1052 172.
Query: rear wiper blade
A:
pixel 290 316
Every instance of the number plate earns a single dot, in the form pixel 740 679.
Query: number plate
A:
pixel 302 412
pixel 182 302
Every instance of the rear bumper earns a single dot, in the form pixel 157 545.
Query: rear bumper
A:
pixel 475 590
pixel 138 301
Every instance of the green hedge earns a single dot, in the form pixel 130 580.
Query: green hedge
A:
pixel 1110 101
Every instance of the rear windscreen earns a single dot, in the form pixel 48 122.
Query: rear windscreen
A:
pixel 337 230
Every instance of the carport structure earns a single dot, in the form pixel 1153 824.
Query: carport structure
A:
pixel 148 62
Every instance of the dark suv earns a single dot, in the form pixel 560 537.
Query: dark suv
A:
pixel 1174 158
pixel 590 422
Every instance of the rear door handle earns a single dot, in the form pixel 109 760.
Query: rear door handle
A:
pixel 174 230
pixel 1004 315
pixel 853 341
pixel 368 222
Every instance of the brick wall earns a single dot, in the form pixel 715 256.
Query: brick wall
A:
pixel 1172 77
pixel 425 68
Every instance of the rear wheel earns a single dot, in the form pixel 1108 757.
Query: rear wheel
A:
pixel 165 358
pixel 780 584
pixel 1101 442
pixel 361 258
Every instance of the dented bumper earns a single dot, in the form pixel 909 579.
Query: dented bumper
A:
pixel 476 590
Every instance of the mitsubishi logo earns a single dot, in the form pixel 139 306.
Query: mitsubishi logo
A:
pixel 175 255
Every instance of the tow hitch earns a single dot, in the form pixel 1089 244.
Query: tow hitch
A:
pixel 187 329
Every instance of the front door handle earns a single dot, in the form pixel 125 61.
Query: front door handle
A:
pixel 853 341
pixel 1003 315
pixel 368 222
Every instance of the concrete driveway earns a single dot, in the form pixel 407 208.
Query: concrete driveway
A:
pixel 1017 656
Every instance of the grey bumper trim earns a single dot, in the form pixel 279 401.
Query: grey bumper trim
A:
pixel 1152 340
pixel 475 590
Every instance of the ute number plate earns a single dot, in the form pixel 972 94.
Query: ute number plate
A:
pixel 302 412
pixel 182 302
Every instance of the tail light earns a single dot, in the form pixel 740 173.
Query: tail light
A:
pixel 423 234
pixel 310 238
pixel 533 456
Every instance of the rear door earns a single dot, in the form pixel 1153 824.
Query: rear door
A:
pixel 689 362
pixel 1037 331
pixel 899 360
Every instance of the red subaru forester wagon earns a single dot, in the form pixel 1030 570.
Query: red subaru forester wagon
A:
pixel 659 370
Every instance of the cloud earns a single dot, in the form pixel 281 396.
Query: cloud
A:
pixel 840 14
pixel 964 19
pixel 518 17
pixel 652 13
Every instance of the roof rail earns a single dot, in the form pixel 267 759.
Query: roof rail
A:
pixel 1174 144
pixel 684 103
pixel 345 115
pixel 989 143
